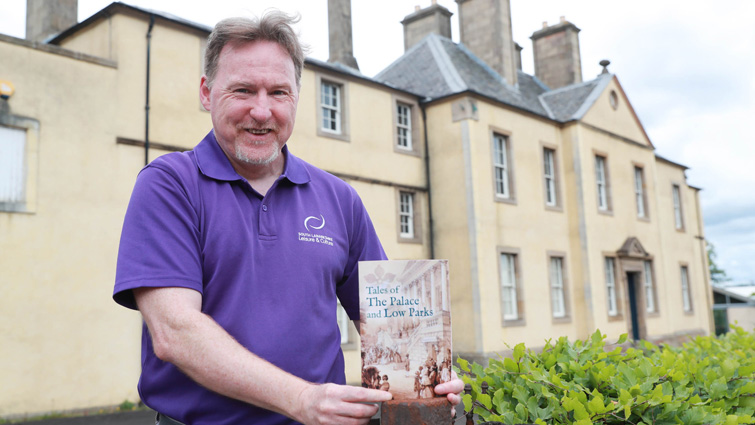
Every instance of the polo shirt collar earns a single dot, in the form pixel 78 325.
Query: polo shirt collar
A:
pixel 213 163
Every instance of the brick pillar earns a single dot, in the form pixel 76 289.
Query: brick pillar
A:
pixel 556 51
pixel 435 19
pixel 341 42
pixel 45 18
pixel 485 27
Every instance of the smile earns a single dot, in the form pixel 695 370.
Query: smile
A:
pixel 259 131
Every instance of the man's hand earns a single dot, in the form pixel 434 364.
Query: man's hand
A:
pixel 452 389
pixel 339 404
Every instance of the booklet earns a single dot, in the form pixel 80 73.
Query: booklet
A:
pixel 405 326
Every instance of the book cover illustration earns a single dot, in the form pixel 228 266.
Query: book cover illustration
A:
pixel 405 326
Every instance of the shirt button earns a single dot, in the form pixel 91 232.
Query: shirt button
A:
pixel 264 207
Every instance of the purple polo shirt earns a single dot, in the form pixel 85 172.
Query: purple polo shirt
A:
pixel 269 269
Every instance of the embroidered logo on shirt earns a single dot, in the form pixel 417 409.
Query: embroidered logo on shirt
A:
pixel 312 222
pixel 311 217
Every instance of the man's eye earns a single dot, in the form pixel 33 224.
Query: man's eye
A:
pixel 242 91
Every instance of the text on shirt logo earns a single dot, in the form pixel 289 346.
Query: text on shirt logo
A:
pixel 316 238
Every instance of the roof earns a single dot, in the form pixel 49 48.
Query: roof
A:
pixel 437 67
pixel 115 7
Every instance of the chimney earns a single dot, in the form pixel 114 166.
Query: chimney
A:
pixel 518 49
pixel 45 18
pixel 434 19
pixel 341 42
pixel 556 51
pixel 485 27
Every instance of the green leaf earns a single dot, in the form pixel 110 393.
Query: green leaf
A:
pixel 463 364
pixel 467 400
pixel 627 412
pixel 718 388
pixel 510 365
pixel 478 370
pixel 518 352
pixel 732 420
pixel 622 339
pixel 484 399
pixel 580 412
pixel 728 367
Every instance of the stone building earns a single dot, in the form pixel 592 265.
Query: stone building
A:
pixel 543 192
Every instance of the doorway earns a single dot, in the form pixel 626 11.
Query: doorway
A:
pixel 632 279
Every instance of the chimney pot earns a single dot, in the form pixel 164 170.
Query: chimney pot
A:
pixel 417 8
pixel 545 24
pixel 563 19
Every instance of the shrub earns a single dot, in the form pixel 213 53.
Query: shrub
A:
pixel 709 380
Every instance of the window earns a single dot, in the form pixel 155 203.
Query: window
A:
pixel 501 166
pixel 406 215
pixel 613 308
pixel 343 324
pixel 12 166
pixel 332 107
pixel 404 126
pixel 639 191
pixel 649 290
pixel 558 300
pixel 549 173
pixel 686 296
pixel 601 179
pixel 678 218
pixel 509 297
pixel 330 102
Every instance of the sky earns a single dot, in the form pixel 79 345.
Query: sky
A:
pixel 686 67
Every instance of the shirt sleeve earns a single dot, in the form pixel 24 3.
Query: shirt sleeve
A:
pixel 364 245
pixel 160 241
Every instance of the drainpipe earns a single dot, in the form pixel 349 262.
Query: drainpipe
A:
pixel 427 178
pixel 146 105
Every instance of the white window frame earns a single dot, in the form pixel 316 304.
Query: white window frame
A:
pixel 649 290
pixel 639 191
pixel 509 296
pixel 611 293
pixel 686 295
pixel 406 215
pixel 331 106
pixel 558 296
pixel 549 174
pixel 344 323
pixel 677 199
pixel 404 126
pixel 13 146
pixel 501 166
pixel 601 182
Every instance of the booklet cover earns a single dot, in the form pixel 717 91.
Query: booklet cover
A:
pixel 405 326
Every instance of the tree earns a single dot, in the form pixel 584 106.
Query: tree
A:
pixel 717 274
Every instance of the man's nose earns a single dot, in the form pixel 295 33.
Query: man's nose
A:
pixel 260 108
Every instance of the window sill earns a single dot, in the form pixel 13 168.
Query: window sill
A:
pixel 510 323
pixel 501 199
pixel 333 135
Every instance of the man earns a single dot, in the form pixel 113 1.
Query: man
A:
pixel 240 315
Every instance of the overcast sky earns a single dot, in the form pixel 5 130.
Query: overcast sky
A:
pixel 686 66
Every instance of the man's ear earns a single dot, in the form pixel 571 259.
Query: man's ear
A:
pixel 204 92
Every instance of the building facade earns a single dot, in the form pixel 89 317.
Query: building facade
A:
pixel 555 214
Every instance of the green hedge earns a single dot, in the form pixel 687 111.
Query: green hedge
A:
pixel 709 380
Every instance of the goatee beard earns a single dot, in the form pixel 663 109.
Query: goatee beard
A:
pixel 242 156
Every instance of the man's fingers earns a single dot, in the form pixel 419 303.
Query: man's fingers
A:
pixel 357 394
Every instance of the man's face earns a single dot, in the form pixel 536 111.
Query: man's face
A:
pixel 252 102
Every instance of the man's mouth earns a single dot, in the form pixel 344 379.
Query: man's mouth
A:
pixel 258 131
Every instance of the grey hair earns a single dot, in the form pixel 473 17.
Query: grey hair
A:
pixel 274 25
